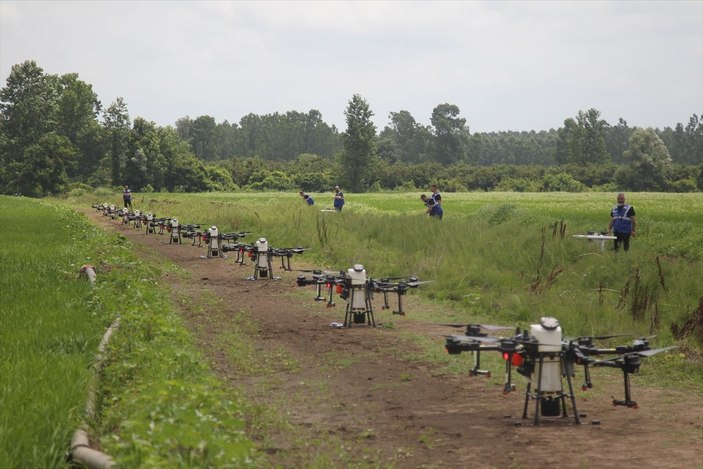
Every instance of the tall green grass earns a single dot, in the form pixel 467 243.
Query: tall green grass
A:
pixel 48 332
pixel 508 257
pixel 160 405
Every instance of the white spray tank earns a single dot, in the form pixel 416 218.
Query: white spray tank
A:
pixel 357 276
pixel 125 216
pixel 548 335
pixel 262 248
pixel 175 231
pixel 149 223
pixel 213 247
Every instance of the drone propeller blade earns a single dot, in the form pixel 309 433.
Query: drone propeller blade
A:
pixel 386 279
pixel 615 361
pixel 415 283
pixel 487 327
pixel 649 353
pixel 470 338
pixel 318 271
pixel 605 337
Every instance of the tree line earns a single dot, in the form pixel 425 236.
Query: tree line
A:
pixel 56 135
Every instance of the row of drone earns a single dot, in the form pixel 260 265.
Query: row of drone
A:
pixel 541 354
pixel 353 285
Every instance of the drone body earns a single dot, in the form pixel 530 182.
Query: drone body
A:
pixel 354 286
pixel 546 359
pixel 359 309
pixel 213 242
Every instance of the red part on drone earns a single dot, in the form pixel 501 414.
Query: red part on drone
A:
pixel 516 359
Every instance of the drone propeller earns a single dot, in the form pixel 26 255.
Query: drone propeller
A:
pixel 487 327
pixel 469 338
pixel 617 361
pixel 649 353
pixel 596 337
pixel 319 271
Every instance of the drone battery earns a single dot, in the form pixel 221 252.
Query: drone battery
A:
pixel 550 407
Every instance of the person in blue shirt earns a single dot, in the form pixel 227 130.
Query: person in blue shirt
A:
pixel 434 209
pixel 622 223
pixel 127 197
pixel 309 200
pixel 436 196
pixel 424 199
pixel 338 199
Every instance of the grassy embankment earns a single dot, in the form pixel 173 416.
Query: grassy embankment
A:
pixel 165 408
pixel 503 258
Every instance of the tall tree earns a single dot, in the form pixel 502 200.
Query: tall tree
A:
pixel 116 123
pixel 78 108
pixel 28 106
pixel 616 139
pixel 564 148
pixel 359 145
pixel 451 134
pixel 648 163
pixel 694 140
pixel 409 139
pixel 588 140
pixel 203 131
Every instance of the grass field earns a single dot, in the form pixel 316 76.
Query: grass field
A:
pixel 507 257
pixel 50 325
pixel 499 258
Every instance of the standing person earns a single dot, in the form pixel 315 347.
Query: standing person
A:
pixel 127 197
pixel 338 199
pixel 434 209
pixel 436 196
pixel 622 223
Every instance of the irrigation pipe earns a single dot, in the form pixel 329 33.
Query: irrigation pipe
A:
pixel 80 450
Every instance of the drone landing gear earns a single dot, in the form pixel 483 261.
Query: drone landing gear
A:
pixel 285 262
pixel 319 296
pixel 400 304
pixel 262 267
pixel 476 370
pixel 359 309
pixel 550 402
pixel 386 306
pixel 628 402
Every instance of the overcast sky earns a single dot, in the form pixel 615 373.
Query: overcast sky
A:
pixel 524 65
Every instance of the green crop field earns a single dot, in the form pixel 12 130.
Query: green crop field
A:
pixel 509 257
pixel 51 322
pixel 500 257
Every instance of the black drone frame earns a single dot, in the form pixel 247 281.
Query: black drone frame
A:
pixel 285 254
pixel 573 352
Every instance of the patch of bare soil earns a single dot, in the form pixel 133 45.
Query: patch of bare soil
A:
pixel 353 397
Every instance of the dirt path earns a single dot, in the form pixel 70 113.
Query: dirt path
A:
pixel 326 397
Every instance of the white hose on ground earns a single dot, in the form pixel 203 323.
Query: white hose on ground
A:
pixel 80 450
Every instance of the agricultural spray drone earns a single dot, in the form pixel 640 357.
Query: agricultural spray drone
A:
pixel 217 243
pixel 545 358
pixel 261 255
pixel 357 290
